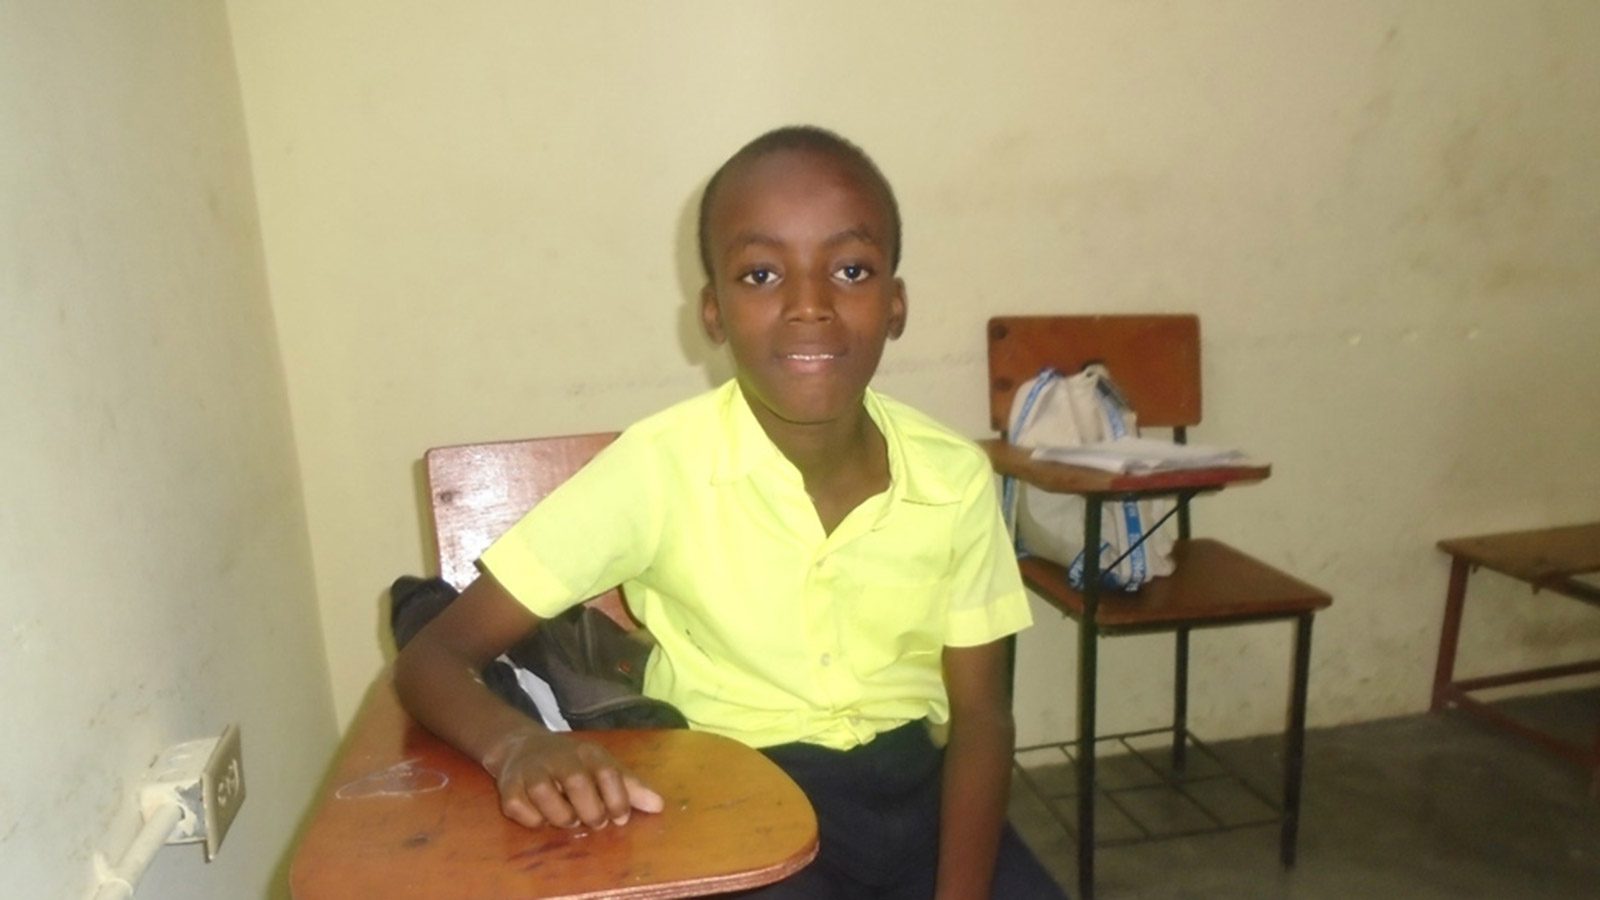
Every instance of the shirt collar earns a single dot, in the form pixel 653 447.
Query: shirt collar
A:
pixel 745 446
pixel 913 477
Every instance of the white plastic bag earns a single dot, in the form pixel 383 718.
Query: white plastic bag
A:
pixel 1053 410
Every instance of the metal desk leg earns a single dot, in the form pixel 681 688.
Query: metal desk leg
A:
pixel 1011 668
pixel 1594 783
pixel 1088 641
pixel 1180 701
pixel 1294 762
pixel 1180 687
pixel 1444 672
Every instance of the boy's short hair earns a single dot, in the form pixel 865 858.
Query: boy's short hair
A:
pixel 806 138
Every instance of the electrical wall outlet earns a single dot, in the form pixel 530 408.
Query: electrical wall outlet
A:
pixel 222 789
pixel 205 780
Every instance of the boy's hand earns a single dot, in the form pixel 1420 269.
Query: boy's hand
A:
pixel 551 778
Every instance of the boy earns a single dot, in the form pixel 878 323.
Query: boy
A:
pixel 824 570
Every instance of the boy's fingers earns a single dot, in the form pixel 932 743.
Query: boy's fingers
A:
pixel 522 811
pixel 567 785
pixel 551 803
pixel 584 797
pixel 614 795
pixel 641 797
pixel 517 804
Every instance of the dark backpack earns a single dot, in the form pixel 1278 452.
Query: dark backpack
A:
pixel 594 667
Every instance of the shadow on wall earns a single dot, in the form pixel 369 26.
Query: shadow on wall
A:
pixel 697 348
pixel 423 506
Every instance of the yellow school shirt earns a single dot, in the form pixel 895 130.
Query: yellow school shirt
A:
pixel 769 630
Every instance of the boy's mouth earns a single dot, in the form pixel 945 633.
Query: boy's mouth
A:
pixel 810 361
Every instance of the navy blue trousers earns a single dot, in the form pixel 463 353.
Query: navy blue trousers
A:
pixel 878 820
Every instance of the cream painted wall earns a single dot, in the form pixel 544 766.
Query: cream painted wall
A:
pixel 152 535
pixel 477 226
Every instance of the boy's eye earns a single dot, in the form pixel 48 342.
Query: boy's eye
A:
pixel 759 277
pixel 853 273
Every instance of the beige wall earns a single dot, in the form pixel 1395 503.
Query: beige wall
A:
pixel 476 221
pixel 152 538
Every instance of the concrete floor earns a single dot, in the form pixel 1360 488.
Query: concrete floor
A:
pixel 1418 807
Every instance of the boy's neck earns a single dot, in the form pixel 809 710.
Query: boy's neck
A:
pixel 824 448
pixel 842 462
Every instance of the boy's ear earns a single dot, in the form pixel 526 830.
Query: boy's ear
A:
pixel 711 315
pixel 897 310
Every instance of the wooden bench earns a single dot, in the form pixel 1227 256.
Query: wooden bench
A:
pixel 1549 560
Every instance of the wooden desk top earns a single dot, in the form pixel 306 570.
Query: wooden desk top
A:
pixel 1009 459
pixel 1533 556
pixel 1547 558
pixel 406 816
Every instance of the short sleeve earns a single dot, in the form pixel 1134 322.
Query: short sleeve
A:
pixel 592 533
pixel 987 600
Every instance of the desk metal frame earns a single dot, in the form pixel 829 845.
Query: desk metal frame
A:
pixel 1089 631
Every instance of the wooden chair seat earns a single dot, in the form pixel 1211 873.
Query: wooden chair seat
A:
pixel 1214 584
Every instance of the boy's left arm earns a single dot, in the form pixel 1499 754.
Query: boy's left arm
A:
pixel 977 768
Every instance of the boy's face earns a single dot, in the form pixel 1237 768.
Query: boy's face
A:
pixel 802 289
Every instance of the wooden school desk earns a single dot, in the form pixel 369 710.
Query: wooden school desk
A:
pixel 405 816
pixel 1549 559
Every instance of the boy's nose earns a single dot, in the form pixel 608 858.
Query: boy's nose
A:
pixel 810 300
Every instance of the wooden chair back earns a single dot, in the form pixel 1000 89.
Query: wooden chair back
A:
pixel 478 491
pixel 1155 360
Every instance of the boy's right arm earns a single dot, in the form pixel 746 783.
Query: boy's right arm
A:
pixel 542 777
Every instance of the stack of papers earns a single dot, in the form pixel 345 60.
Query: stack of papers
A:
pixel 1143 455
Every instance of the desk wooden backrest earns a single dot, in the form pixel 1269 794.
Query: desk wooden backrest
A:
pixel 477 491
pixel 1155 360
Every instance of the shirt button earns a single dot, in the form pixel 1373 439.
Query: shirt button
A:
pixel 827 659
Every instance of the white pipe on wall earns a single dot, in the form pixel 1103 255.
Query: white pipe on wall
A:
pixel 119 883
